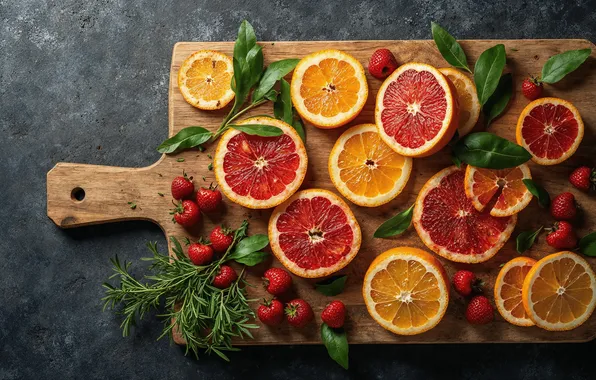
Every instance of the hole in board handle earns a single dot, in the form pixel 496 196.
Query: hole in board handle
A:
pixel 77 194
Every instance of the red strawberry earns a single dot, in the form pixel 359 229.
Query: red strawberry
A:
pixel 221 238
pixel 225 277
pixel 532 88
pixel 208 198
pixel 271 312
pixel 563 207
pixel 186 213
pixel 382 63
pixel 334 314
pixel 479 311
pixel 200 253
pixel 465 282
pixel 182 187
pixel 299 313
pixel 583 178
pixel 277 281
pixel 562 236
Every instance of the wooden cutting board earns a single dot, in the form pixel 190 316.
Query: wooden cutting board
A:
pixel 108 189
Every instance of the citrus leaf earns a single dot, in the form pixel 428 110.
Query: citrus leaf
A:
pixel 298 126
pixel 539 192
pixel 587 245
pixel 456 161
pixel 188 137
pixel 332 286
pixel 562 64
pixel 487 71
pixel 258 129
pixel 245 41
pixel 395 225
pixel 336 342
pixel 487 150
pixel 252 258
pixel 282 109
pixel 449 48
pixel 526 239
pixel 498 101
pixel 249 245
pixel 273 73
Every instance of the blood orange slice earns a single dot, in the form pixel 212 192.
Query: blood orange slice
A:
pixel 551 129
pixel 448 223
pixel 260 172
pixel 314 233
pixel 416 110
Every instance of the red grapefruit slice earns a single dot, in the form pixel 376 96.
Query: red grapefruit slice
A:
pixel 314 233
pixel 448 223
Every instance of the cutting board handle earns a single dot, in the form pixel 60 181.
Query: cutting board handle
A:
pixel 80 194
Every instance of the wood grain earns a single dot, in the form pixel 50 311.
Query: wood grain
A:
pixel 108 189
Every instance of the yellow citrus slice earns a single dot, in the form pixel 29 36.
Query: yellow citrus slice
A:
pixel 551 129
pixel 257 171
pixel 508 291
pixel 204 79
pixel 329 88
pixel 365 170
pixel 469 106
pixel 405 290
pixel 482 185
pixel 559 292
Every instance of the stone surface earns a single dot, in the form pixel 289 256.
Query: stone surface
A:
pixel 86 81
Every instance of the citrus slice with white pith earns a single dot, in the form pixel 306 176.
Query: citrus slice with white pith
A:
pixel 508 291
pixel 467 98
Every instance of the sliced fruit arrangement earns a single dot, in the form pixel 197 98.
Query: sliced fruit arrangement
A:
pixel 551 129
pixel 365 170
pixel 416 110
pixel 257 171
pixel 448 223
pixel 204 79
pixel 559 292
pixel 467 98
pixel 483 185
pixel 406 290
pixel 314 233
pixel 329 88
pixel 508 291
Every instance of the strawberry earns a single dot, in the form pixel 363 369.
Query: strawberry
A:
pixel 465 282
pixel 334 314
pixel 182 187
pixel 277 281
pixel 532 88
pixel 271 312
pixel 583 178
pixel 221 239
pixel 479 311
pixel 382 63
pixel 186 213
pixel 200 253
pixel 299 313
pixel 209 198
pixel 562 236
pixel 225 277
pixel 563 207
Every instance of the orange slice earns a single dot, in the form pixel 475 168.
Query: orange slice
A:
pixel 405 290
pixel 559 292
pixel 469 106
pixel 551 129
pixel 508 291
pixel 365 170
pixel 482 185
pixel 260 172
pixel 329 88
pixel 204 79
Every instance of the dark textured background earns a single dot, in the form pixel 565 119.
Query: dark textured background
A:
pixel 87 81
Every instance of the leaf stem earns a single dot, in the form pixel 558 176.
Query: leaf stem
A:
pixel 231 117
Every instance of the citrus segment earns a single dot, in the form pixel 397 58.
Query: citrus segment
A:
pixel 483 185
pixel 405 290
pixel 551 129
pixel 448 223
pixel 508 291
pixel 559 292
pixel 204 79
pixel 416 110
pixel 467 98
pixel 365 170
pixel 329 88
pixel 314 233
pixel 260 172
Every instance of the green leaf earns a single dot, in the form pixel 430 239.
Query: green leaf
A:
pixel 487 71
pixel 271 95
pixel 395 225
pixel 245 41
pixel 252 258
pixel 336 342
pixel 248 64
pixel 562 64
pixel 273 73
pixel 587 245
pixel 249 245
pixel 254 65
pixel 539 192
pixel 456 161
pixel 282 109
pixel 498 101
pixel 258 129
pixel 448 46
pixel 332 286
pixel 298 126
pixel 526 239
pixel 189 137
pixel 486 150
